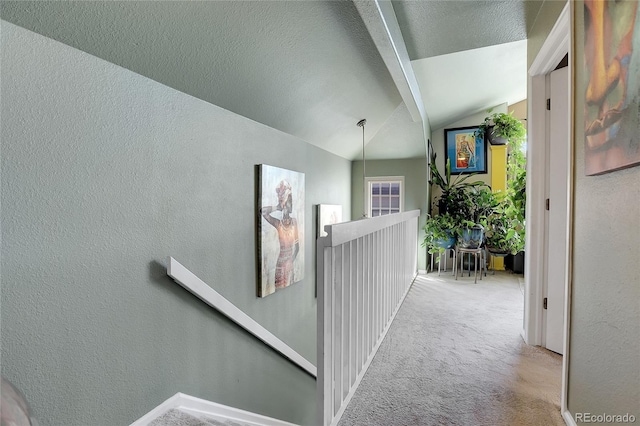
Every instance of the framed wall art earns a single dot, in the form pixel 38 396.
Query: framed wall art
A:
pixel 612 86
pixel 466 151
pixel 328 214
pixel 281 204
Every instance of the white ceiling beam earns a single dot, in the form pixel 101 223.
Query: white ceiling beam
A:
pixel 382 24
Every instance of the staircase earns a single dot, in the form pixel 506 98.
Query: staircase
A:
pixel 186 410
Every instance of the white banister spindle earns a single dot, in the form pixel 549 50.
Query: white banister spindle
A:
pixel 365 269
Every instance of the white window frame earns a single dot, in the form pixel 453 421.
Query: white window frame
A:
pixel 383 179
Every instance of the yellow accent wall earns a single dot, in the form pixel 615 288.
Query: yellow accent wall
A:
pixel 498 183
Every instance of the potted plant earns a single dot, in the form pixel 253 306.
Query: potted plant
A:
pixel 501 233
pixel 500 128
pixel 480 202
pixel 452 189
pixel 516 195
pixel 440 233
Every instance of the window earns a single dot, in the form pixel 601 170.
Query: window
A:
pixel 385 195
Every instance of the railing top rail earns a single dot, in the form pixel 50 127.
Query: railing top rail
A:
pixel 341 233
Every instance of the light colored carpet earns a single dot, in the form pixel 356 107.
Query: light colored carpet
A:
pixel 454 356
pixel 175 417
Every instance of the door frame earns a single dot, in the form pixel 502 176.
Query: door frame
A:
pixel 559 42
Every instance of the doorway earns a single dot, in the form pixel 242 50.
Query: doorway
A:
pixel 555 47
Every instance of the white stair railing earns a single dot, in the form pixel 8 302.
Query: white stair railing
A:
pixel 365 269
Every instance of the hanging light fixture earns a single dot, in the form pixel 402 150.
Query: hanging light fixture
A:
pixel 361 123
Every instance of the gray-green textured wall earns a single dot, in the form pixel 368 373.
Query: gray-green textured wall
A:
pixel 105 173
pixel 416 197
pixel 604 357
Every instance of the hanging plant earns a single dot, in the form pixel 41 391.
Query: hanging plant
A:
pixel 506 127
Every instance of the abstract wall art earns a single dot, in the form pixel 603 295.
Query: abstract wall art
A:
pixel 612 85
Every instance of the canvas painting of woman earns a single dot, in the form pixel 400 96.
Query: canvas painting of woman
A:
pixel 281 229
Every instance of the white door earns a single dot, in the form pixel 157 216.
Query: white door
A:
pixel 557 214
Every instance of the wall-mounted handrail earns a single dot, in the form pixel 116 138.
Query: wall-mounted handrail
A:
pixel 365 269
pixel 200 289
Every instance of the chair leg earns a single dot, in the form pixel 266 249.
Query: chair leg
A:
pixel 484 264
pixel 475 264
pixel 455 268
pixel 455 258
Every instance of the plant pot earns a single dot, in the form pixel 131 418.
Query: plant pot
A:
pixel 515 263
pixel 496 252
pixel 446 243
pixel 472 237
pixel 494 139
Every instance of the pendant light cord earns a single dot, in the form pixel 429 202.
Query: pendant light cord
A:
pixel 361 123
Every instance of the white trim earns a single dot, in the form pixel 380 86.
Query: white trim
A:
pixel 195 285
pixel 382 25
pixel 377 179
pixel 158 411
pixel 535 213
pixel 197 406
pixel 558 43
pixel 553 50
pixel 341 233
pixel 564 396
pixel 568 418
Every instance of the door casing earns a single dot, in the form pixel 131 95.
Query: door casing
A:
pixel 558 43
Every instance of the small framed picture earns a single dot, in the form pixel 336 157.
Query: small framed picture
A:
pixel 466 150
pixel 328 214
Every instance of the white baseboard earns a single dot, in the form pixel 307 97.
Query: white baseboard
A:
pixel 198 407
pixel 422 271
pixel 568 418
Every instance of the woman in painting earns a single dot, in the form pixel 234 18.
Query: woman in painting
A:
pixel 465 157
pixel 287 228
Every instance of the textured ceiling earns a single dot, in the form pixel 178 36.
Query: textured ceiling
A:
pixel 437 27
pixel 307 68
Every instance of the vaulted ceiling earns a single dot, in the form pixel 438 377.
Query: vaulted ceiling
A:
pixel 312 69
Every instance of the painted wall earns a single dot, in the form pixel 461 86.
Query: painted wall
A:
pixel 604 367
pixel 105 173
pixel 519 110
pixel 547 17
pixel 415 197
